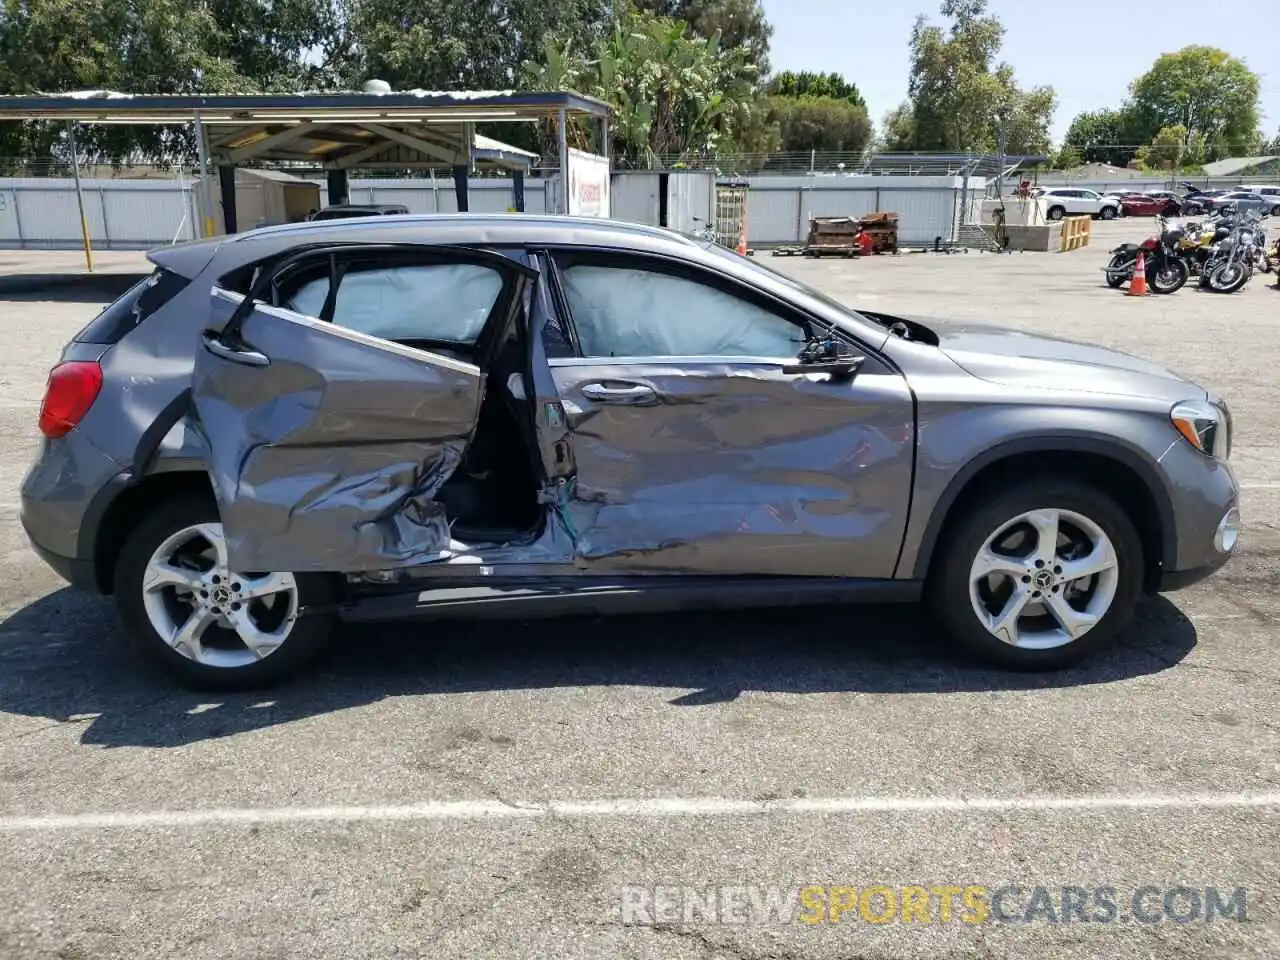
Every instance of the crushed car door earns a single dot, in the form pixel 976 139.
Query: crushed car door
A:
pixel 713 434
pixel 326 444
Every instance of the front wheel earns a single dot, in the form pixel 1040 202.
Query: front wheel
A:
pixel 1169 276
pixel 1108 213
pixel 212 627
pixel 1229 277
pixel 1037 575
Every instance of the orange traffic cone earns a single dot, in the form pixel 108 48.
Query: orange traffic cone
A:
pixel 1138 285
pixel 742 237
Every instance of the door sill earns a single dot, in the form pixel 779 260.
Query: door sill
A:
pixel 496 598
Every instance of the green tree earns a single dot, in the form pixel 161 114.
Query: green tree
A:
pixel 898 129
pixel 1165 150
pixel 820 123
pixel 274 43
pixel 673 93
pixel 157 46
pixel 1067 158
pixel 1105 136
pixel 739 23
pixel 806 84
pixel 960 96
pixel 459 44
pixel 1204 90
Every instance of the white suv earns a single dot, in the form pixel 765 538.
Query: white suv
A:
pixel 1073 201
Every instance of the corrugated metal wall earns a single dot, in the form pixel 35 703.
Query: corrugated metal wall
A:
pixel 133 214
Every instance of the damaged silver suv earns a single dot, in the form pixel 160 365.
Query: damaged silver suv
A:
pixel 523 416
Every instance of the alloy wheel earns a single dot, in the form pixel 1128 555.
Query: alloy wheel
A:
pixel 209 613
pixel 1044 579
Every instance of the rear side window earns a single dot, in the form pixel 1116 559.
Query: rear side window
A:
pixel 449 302
pixel 137 303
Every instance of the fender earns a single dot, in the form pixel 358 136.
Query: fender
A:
pixel 1111 448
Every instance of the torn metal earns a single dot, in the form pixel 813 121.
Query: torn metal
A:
pixel 328 458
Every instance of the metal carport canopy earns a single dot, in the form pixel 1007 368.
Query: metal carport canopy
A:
pixel 338 131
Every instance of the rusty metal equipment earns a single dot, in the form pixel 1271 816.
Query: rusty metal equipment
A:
pixel 833 236
pixel 882 228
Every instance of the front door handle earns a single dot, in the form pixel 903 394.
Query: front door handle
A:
pixel 618 393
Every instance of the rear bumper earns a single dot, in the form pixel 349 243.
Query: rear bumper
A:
pixel 77 571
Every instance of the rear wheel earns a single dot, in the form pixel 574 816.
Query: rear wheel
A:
pixel 1056 213
pixel 1038 575
pixel 1117 262
pixel 211 626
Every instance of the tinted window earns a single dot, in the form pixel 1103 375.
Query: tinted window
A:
pixel 628 312
pixel 448 301
pixel 135 305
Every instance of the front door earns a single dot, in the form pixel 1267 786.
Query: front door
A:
pixel 699 447
pixel 339 397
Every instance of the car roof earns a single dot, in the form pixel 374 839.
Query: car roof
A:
pixel 497 229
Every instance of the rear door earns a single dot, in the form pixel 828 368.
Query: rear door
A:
pixel 339 395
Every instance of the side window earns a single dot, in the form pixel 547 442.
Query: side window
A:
pixel 438 301
pixel 632 312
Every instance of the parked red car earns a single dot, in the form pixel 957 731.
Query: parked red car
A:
pixel 1142 205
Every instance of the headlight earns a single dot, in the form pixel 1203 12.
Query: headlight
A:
pixel 1205 426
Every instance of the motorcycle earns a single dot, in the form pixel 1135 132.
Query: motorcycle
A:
pixel 1234 258
pixel 1197 243
pixel 1167 271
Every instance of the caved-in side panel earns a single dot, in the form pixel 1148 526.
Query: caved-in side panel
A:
pixel 737 467
pixel 328 458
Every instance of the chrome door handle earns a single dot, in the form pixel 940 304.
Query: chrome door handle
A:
pixel 249 358
pixel 629 393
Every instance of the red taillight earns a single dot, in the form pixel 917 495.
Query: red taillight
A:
pixel 72 388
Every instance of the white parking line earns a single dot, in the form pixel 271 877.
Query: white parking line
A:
pixel 649 808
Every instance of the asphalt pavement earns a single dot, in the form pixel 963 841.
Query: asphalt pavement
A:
pixel 694 786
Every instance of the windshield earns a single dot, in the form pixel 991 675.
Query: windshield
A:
pixel 775 276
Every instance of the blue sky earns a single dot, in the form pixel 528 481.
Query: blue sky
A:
pixel 1111 43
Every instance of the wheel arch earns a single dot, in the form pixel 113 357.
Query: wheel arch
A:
pixel 119 506
pixel 1122 472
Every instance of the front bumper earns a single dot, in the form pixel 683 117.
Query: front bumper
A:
pixel 1174 580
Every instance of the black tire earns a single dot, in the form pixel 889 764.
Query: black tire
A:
pixel 1119 260
pixel 1178 275
pixel 308 638
pixel 1108 213
pixel 1056 213
pixel 947 589
pixel 1241 278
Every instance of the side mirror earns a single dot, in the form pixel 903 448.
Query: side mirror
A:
pixel 838 369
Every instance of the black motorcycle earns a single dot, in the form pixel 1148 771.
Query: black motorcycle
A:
pixel 1167 272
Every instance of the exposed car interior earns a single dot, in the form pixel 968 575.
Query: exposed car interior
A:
pixel 442 308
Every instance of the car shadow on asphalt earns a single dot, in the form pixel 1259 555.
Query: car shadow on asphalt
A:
pixel 63 658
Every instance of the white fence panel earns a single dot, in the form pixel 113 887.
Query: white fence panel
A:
pixel 634 197
pixel 773 215
pixel 136 214
pixel 10 225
